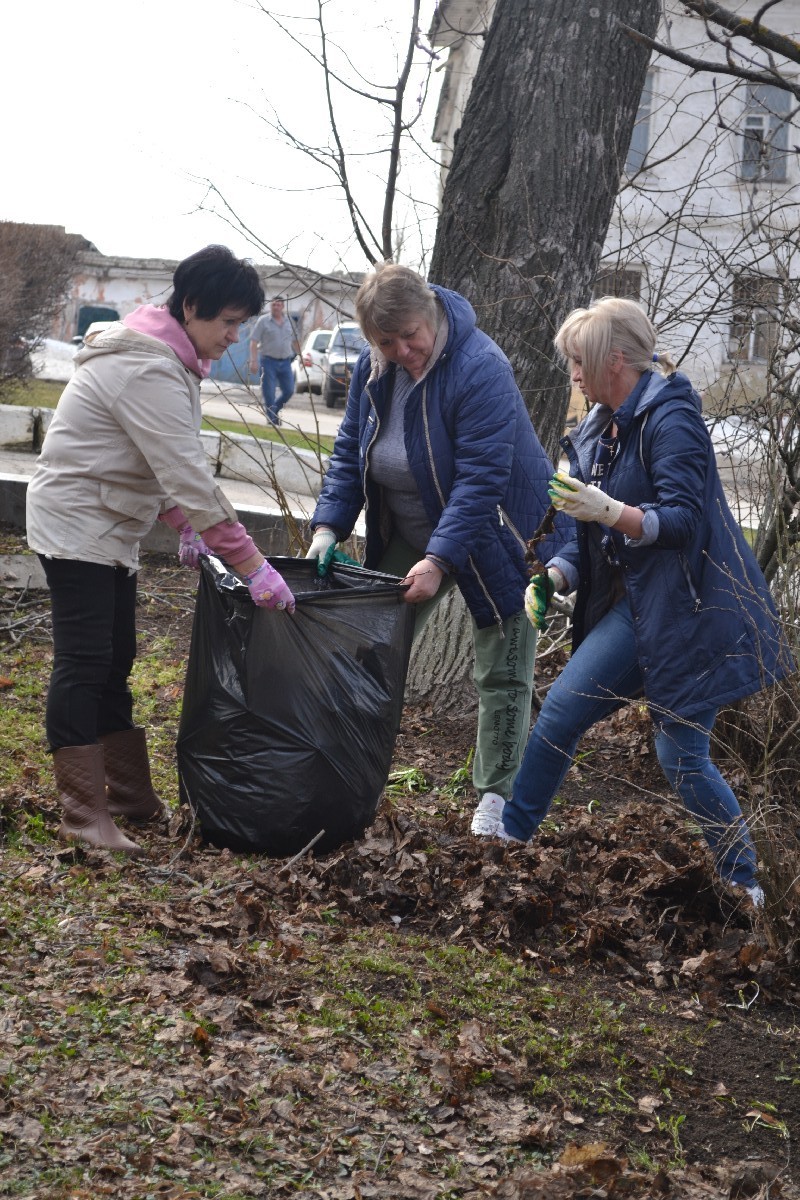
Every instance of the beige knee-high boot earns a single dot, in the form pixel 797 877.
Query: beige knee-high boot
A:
pixel 81 780
pixel 130 787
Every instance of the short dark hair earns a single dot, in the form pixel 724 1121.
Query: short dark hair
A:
pixel 212 279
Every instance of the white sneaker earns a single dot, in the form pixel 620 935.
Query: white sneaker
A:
pixel 487 820
pixel 503 836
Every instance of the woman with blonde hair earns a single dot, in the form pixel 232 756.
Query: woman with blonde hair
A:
pixel 670 605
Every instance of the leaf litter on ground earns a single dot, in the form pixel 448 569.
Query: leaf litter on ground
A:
pixel 419 1014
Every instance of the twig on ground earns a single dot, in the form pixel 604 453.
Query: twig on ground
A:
pixel 295 857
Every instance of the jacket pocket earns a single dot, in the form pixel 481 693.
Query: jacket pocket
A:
pixel 134 509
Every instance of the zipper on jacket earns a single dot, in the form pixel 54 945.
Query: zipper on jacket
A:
pixel 509 524
pixel 498 619
pixel 698 604
pixel 367 449
pixel 429 447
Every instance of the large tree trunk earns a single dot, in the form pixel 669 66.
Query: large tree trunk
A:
pixel 440 673
pixel 526 208
pixel 535 170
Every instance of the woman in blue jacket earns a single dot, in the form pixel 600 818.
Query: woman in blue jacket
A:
pixel 438 448
pixel 670 601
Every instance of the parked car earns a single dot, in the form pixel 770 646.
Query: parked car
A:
pixel 347 342
pixel 307 366
pixel 96 327
pixel 53 360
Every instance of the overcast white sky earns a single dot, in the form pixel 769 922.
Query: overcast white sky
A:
pixel 115 115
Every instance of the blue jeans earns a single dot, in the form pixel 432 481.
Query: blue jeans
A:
pixel 276 373
pixel 600 677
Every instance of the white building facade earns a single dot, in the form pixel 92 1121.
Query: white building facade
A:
pixel 705 229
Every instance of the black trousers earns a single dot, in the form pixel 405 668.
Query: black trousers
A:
pixel 94 646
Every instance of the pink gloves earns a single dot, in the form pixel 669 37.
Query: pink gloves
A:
pixel 268 588
pixel 191 543
pixel 231 541
pixel 191 547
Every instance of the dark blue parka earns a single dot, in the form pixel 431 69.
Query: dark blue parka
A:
pixel 479 467
pixel 706 628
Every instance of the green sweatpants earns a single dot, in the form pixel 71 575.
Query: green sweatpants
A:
pixel 503 676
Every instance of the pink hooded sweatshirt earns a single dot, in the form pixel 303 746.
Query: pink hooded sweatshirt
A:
pixel 157 322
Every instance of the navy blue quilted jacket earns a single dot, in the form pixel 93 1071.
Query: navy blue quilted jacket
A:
pixel 706 627
pixel 479 467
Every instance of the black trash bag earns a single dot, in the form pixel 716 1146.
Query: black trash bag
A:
pixel 289 722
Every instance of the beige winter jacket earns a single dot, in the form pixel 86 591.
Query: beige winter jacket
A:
pixel 123 446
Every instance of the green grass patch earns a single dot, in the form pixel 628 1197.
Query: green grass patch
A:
pixel 43 393
pixel 407 991
pixel 23 750
pixel 36 393
pixel 296 439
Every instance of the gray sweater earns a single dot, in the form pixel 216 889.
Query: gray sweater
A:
pixel 389 467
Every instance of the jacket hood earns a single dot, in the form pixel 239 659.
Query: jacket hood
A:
pixel 461 317
pixel 147 330
pixel 117 338
pixel 648 395
pixel 661 388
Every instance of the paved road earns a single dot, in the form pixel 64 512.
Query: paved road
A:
pixel 234 403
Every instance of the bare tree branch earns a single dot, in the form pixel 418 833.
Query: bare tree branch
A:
pixel 768 77
pixel 397 131
pixel 752 30
pixel 341 157
pixel 37 264
pixel 340 79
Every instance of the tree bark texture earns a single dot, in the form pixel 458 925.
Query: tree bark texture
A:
pixel 440 672
pixel 536 167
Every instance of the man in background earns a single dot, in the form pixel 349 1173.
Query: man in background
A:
pixel 273 345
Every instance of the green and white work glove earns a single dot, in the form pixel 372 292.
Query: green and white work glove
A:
pixel 539 593
pixel 582 502
pixel 323 547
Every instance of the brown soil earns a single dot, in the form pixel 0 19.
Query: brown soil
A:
pixel 612 910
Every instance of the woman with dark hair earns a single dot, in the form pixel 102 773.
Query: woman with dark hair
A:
pixel 124 449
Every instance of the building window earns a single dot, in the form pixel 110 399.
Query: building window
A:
pixel 765 133
pixel 754 320
pixel 640 139
pixel 626 282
